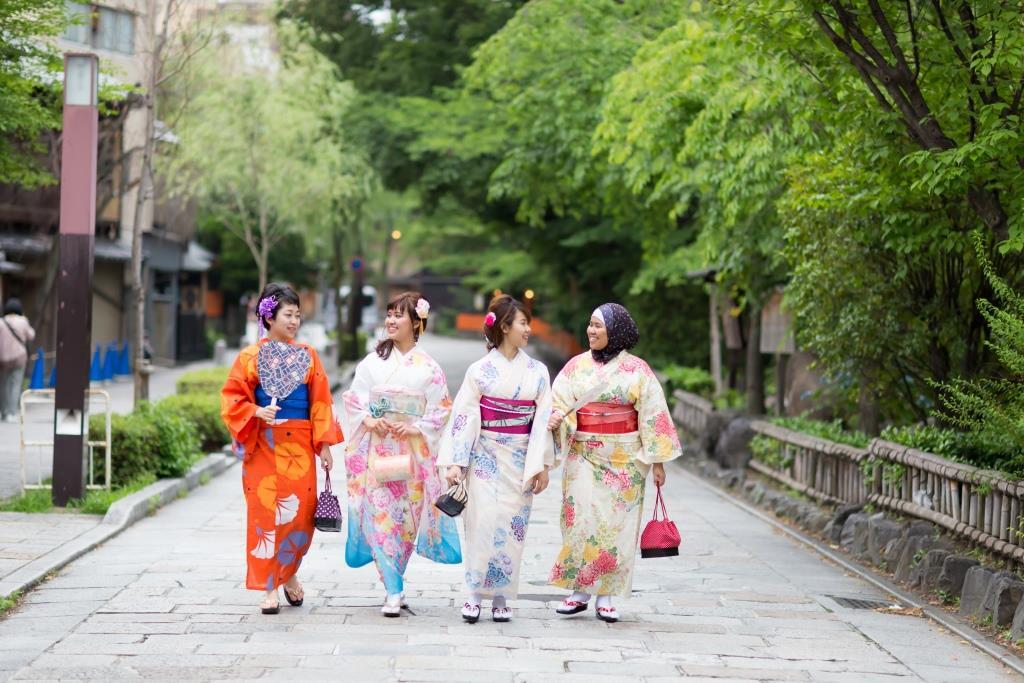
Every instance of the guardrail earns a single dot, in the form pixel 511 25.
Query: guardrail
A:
pixel 979 505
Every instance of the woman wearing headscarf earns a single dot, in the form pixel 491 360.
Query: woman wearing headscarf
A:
pixel 615 428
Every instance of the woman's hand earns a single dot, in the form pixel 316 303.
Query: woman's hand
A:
pixel 659 473
pixel 555 420
pixel 454 475
pixel 378 426
pixel 539 481
pixel 326 459
pixel 405 429
pixel 267 413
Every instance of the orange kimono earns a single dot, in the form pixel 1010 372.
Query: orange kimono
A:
pixel 279 464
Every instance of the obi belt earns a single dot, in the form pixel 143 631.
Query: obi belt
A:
pixel 606 418
pixel 506 416
pixel 295 406
pixel 397 402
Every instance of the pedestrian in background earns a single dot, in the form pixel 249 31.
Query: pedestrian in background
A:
pixel 616 427
pixel 277 441
pixel 498 441
pixel 394 414
pixel 15 335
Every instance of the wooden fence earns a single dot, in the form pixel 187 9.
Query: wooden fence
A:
pixel 979 505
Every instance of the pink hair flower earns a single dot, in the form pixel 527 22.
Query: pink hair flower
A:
pixel 422 308
pixel 489 319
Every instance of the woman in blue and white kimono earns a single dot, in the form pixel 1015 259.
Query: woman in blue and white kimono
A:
pixel 498 442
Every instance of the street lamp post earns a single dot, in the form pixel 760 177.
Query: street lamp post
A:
pixel 74 284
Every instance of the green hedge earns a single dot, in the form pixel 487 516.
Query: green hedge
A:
pixel 202 411
pixel 209 381
pixel 833 431
pixel 147 442
pixel 986 451
pixel 693 380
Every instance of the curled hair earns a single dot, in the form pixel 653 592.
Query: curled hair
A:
pixel 282 293
pixel 504 309
pixel 404 303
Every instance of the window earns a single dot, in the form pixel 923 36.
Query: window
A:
pixel 101 28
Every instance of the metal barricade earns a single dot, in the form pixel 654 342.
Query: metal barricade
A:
pixel 42 397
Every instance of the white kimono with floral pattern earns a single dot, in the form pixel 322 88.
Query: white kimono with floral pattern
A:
pixel 603 482
pixel 499 468
pixel 388 521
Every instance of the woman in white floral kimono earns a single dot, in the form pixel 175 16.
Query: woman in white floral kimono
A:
pixel 615 426
pixel 499 442
pixel 395 411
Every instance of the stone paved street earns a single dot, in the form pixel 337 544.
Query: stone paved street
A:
pixel 165 600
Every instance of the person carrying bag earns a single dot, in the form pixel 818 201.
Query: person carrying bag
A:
pixel 15 336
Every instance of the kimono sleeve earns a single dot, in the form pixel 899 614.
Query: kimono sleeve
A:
pixel 326 431
pixel 238 402
pixel 464 426
pixel 562 399
pixel 355 402
pixel 439 406
pixel 658 436
pixel 541 440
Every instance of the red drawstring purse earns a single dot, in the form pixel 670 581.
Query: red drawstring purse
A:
pixel 660 537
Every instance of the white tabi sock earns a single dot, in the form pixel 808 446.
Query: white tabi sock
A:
pixel 604 601
pixel 580 597
pixel 498 602
pixel 474 599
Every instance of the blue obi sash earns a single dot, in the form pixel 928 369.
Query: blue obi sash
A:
pixel 293 407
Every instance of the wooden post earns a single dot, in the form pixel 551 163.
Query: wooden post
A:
pixel 716 341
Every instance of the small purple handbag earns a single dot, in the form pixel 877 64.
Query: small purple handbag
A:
pixel 328 511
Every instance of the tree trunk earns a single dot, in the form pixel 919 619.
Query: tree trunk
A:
pixel 337 278
pixel 868 413
pixel 755 363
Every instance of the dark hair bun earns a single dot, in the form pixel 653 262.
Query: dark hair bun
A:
pixel 504 308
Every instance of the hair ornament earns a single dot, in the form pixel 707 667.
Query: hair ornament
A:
pixel 422 308
pixel 267 306
pixel 489 319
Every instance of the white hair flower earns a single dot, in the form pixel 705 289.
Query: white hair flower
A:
pixel 422 309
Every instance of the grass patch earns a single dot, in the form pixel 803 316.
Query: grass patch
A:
pixel 9 602
pixel 31 500
pixel 96 501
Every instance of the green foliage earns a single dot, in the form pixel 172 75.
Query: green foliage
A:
pixel 690 379
pixel 28 106
pixel 146 442
pixel 209 381
pixel 981 449
pixel 98 501
pixel 771 453
pixel 832 431
pixel 30 500
pixel 9 602
pixel 202 412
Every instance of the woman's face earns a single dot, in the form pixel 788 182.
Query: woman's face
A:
pixel 398 325
pixel 518 334
pixel 285 324
pixel 597 334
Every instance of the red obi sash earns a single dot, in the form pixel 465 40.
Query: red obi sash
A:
pixel 506 416
pixel 606 418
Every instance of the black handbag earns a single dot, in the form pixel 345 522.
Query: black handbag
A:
pixel 453 501
pixel 328 512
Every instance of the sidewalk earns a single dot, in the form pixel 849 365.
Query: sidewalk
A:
pixel 166 599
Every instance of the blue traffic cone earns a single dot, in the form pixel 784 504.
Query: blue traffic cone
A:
pixel 96 368
pixel 53 376
pixel 110 363
pixel 38 372
pixel 124 363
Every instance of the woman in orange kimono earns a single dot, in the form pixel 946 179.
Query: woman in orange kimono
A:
pixel 276 439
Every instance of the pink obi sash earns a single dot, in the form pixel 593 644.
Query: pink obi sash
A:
pixel 606 418
pixel 506 416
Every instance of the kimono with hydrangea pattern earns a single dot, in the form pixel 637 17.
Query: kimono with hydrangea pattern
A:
pixel 499 468
pixel 603 482
pixel 388 521
pixel 279 466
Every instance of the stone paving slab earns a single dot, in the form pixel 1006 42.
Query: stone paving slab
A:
pixel 166 600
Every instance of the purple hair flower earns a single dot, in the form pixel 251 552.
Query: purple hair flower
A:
pixel 267 306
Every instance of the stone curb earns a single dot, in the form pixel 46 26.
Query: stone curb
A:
pixel 955 625
pixel 119 517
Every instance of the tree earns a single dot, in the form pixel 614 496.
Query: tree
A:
pixel 254 151
pixel 28 107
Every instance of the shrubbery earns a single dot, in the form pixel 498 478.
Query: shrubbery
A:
pixel 690 379
pixel 209 381
pixel 146 442
pixel 203 412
